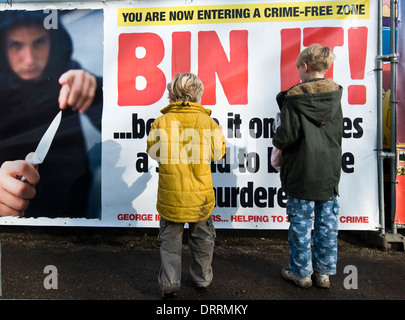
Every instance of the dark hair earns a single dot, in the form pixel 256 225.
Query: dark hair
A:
pixel 61 44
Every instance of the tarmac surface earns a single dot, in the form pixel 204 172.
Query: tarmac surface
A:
pixel 122 265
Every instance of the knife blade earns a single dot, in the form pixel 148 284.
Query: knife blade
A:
pixel 45 143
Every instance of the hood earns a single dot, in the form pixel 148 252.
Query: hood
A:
pixel 185 107
pixel 318 99
pixel 61 43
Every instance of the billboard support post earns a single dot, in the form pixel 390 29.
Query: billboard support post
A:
pixel 384 239
pixel 391 155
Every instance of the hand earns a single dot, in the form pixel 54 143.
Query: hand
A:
pixel 14 193
pixel 78 90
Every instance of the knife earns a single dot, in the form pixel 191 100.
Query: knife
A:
pixel 45 143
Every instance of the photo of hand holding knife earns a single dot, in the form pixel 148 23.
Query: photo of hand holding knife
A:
pixel 41 78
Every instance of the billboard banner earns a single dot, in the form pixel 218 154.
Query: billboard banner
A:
pixel 244 52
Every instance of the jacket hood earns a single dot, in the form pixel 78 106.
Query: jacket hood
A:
pixel 185 106
pixel 317 99
pixel 61 43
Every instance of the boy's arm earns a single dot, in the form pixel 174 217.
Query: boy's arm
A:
pixel 218 144
pixel 152 145
pixel 288 133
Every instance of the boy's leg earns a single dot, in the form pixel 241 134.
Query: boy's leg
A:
pixel 170 238
pixel 300 214
pixel 202 241
pixel 325 236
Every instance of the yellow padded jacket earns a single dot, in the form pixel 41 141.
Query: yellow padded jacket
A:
pixel 184 141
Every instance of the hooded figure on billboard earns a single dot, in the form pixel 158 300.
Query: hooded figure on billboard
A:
pixel 37 79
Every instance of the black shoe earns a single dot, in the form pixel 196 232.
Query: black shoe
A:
pixel 169 295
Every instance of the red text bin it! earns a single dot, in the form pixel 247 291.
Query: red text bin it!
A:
pixel 291 48
pixel 212 61
pixel 232 72
pixel 130 67
pixel 326 36
pixel 357 94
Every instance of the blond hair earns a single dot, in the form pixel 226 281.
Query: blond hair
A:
pixel 317 58
pixel 185 87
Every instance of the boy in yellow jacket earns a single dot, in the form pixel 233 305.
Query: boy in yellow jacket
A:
pixel 184 141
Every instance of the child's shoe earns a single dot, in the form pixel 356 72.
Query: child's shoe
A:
pixel 321 280
pixel 169 295
pixel 303 282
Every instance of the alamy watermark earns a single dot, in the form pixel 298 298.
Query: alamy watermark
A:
pixel 350 281
pixel 51 20
pixel 175 145
pixel 51 280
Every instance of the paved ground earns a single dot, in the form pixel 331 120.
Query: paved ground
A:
pixel 122 264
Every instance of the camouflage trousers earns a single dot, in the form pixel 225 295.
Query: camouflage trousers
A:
pixel 301 215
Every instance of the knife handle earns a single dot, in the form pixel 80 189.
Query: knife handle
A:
pixel 30 161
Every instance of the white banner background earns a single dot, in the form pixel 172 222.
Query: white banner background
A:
pixel 129 196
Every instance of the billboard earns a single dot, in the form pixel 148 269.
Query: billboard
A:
pixel 244 52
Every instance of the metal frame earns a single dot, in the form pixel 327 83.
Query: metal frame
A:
pixel 391 155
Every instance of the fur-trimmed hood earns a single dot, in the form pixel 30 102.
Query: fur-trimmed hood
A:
pixel 317 99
